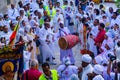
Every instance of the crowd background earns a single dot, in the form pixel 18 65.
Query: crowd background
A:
pixel 40 23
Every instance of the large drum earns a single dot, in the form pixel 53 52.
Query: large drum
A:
pixel 68 41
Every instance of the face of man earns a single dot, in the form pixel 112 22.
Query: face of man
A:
pixel 110 9
pixel 95 23
pixel 12 6
pixel 84 64
pixel 114 16
pixel 61 25
pixel 99 27
pixel 5 29
pixel 46 71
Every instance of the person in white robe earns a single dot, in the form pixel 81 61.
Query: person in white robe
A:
pixel 86 66
pixel 97 73
pixel 94 31
pixel 65 70
pixel 114 19
pixel 13 12
pixel 57 18
pixel 6 34
pixel 117 50
pixel 46 51
pixel 98 70
pixel 63 31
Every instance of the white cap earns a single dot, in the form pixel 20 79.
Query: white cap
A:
pixel 61 22
pixel 86 58
pixel 21 9
pixel 99 59
pixel 98 69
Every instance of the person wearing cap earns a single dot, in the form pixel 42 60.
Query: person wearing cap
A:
pixel 48 74
pixel 100 36
pixel 65 70
pixel 33 73
pixel 86 66
pixel 97 73
pixel 13 12
pixel 64 31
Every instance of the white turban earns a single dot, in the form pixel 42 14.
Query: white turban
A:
pixel 21 9
pixel 98 77
pixel 61 22
pixel 86 58
pixel 99 59
pixel 98 69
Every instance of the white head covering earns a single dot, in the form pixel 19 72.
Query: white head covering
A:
pixel 105 61
pixel 61 22
pixel 98 77
pixel 98 69
pixel 99 59
pixel 66 60
pixel 21 9
pixel 86 58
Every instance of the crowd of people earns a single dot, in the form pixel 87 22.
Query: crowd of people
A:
pixel 41 24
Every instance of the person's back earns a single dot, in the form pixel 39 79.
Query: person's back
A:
pixel 33 73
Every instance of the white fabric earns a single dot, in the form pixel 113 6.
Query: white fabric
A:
pixel 86 70
pixel 98 69
pixel 66 74
pixel 86 58
pixel 98 77
pixel 112 75
pixel 99 59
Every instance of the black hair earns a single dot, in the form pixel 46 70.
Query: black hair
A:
pixel 5 15
pixel 102 25
pixel 115 13
pixel 97 12
pixel 45 64
pixel 41 3
pixel 97 20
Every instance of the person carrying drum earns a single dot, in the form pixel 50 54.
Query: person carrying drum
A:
pixel 64 31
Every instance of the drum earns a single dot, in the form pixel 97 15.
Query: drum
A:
pixel 96 1
pixel 68 41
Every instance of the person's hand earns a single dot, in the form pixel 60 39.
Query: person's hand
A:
pixel 80 69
